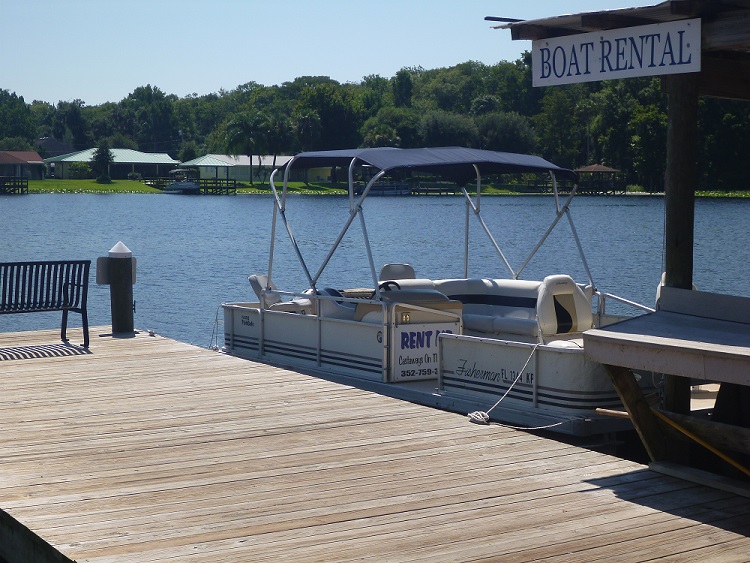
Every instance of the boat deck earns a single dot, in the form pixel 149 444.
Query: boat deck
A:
pixel 146 449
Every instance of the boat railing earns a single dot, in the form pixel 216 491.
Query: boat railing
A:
pixel 602 299
pixel 418 305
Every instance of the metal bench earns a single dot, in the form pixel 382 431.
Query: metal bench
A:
pixel 32 287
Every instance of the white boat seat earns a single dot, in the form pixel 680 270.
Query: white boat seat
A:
pixel 261 284
pixel 301 306
pixel 396 272
pixel 495 306
pixel 493 324
pixel 563 306
pixel 334 309
pixel 273 302
pixel 554 306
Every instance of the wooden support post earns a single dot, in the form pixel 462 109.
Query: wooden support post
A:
pixel 649 428
pixel 679 192
pixel 679 204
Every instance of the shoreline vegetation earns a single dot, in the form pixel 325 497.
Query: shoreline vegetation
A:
pixel 55 186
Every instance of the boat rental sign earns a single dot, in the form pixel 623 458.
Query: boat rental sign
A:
pixel 646 50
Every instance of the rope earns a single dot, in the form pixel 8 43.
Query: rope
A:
pixel 215 333
pixel 483 417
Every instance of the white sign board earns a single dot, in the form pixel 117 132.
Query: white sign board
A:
pixel 646 50
pixel 415 350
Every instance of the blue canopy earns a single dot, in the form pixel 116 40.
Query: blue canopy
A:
pixel 456 163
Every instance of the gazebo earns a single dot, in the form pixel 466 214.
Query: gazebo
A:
pixel 207 163
pixel 599 179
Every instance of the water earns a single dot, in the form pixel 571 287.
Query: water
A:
pixel 194 253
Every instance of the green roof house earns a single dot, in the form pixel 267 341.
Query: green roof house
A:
pixel 125 161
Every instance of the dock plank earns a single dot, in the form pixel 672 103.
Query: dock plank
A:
pixel 146 449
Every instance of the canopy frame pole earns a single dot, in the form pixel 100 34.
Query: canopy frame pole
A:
pixel 352 214
pixel 365 236
pixel 560 212
pixel 281 206
pixel 476 208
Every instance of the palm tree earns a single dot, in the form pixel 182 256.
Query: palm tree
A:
pixel 242 135
pixel 278 134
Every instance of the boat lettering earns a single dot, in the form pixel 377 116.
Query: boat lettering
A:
pixel 246 321
pixel 406 360
pixel 502 374
pixel 420 339
pixel 417 372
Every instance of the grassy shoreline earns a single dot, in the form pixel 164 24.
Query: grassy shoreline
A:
pixel 51 186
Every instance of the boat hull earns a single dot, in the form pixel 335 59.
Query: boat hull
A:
pixel 558 388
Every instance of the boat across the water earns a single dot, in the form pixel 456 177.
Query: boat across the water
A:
pixel 182 181
pixel 506 349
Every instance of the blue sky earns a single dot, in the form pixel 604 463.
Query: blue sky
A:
pixel 101 50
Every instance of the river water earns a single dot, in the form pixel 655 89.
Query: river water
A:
pixel 193 253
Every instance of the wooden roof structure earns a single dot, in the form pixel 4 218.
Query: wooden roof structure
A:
pixel 725 36
pixel 596 168
pixel 724 73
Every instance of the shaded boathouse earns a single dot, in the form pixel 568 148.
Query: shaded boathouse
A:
pixel 701 48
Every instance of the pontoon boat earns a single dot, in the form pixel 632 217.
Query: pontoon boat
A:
pixel 507 347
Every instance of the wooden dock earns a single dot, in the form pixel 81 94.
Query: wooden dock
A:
pixel 146 449
pixel 10 185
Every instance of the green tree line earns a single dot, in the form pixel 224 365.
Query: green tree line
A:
pixel 620 123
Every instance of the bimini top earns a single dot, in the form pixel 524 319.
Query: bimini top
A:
pixel 456 163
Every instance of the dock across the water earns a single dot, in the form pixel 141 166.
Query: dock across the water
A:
pixel 146 449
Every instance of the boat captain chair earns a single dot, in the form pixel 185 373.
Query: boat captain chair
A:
pixel 563 307
pixel 260 284
pixel 263 288
pixel 397 272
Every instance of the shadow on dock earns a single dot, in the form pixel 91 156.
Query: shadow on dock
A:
pixel 60 350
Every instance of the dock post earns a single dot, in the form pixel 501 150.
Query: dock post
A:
pixel 118 271
pixel 679 202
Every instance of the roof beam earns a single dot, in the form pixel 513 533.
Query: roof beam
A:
pixel 728 30
pixel 725 78
pixel 607 20
pixel 534 32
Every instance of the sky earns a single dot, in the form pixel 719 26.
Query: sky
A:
pixel 101 50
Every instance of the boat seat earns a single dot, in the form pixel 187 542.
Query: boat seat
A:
pixel 396 271
pixel 495 306
pixel 332 309
pixel 272 301
pixel 261 284
pixel 556 306
pixel 563 307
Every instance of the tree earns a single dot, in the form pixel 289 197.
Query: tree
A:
pixel 152 112
pixel 392 126
pixel 441 128
pixel 306 129
pixel 402 89
pixel 558 128
pixel 339 110
pixel 482 105
pixel 15 144
pixel 453 89
pixel 69 124
pixel 724 135
pixel 278 133
pixel 16 119
pixel 508 132
pixel 243 131
pixel 100 162
pixel 648 144
pixel 376 93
